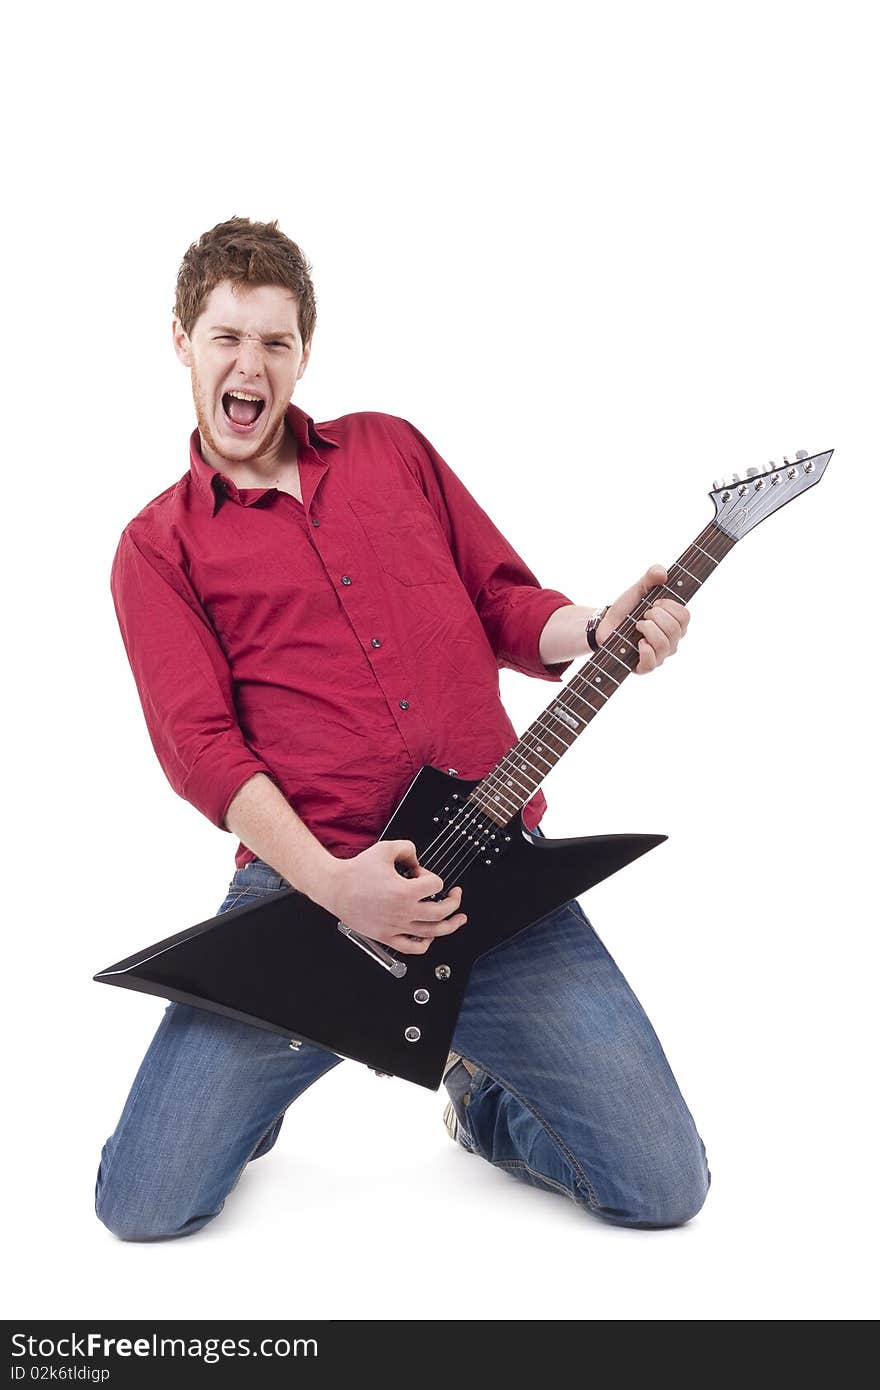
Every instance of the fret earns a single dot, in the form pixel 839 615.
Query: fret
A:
pixel 565 715
pixel 495 801
pixel 509 780
pixel 533 774
pixel 627 647
pixel 582 698
pixel 509 786
pixel 718 540
pixel 597 683
pixel 617 670
pixel 537 752
pixel 551 736
pixel 697 567
pixel 679 566
pixel 681 589
pixel 582 705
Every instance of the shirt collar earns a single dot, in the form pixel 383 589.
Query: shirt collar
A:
pixel 212 485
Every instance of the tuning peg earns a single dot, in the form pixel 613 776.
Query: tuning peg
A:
pixel 802 454
pixel 735 478
pixel 751 472
pixel 785 459
pixel 718 485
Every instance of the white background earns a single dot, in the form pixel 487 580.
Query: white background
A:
pixel 600 255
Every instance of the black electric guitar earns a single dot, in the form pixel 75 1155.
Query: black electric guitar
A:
pixel 290 966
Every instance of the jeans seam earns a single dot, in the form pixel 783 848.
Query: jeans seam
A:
pixel 518 1164
pixel 252 889
pixel 581 1176
pixel 230 900
pixel 578 914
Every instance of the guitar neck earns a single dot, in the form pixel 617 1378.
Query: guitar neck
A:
pixel 519 774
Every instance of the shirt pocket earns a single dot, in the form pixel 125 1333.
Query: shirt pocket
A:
pixel 406 538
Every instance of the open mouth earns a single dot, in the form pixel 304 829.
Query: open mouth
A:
pixel 242 409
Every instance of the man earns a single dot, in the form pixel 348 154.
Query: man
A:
pixel 311 614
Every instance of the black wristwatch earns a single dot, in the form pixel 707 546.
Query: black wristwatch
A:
pixel 592 625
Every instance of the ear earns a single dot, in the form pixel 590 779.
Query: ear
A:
pixel 304 360
pixel 180 339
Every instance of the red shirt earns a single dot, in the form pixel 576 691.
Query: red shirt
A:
pixel 335 644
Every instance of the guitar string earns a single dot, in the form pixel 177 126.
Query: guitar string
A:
pixel 464 852
pixel 469 849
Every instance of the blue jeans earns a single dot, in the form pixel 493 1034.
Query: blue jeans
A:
pixel 572 1092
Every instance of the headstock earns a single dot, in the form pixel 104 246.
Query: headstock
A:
pixel 743 502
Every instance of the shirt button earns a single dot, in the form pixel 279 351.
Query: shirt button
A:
pixel 346 579
pixel 315 521
pixel 376 642
pixel 404 704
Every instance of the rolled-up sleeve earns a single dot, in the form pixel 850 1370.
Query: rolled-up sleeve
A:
pixel 512 605
pixel 182 677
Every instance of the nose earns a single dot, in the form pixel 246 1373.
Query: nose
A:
pixel 250 357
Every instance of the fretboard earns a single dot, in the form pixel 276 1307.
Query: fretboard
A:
pixel 521 771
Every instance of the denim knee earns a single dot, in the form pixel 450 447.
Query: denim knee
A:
pixel 144 1226
pixel 666 1200
pixel 129 1218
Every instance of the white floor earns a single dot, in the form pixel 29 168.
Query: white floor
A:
pixel 365 1209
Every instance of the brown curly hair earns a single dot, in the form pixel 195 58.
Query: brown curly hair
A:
pixel 248 253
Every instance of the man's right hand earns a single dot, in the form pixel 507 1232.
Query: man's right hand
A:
pixel 369 895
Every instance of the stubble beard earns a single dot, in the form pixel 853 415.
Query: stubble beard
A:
pixel 271 437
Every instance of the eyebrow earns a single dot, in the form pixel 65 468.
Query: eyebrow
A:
pixel 236 332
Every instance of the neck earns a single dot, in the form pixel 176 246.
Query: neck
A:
pixel 278 464
pixel 519 774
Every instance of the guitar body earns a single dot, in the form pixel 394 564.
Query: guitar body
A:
pixel 284 965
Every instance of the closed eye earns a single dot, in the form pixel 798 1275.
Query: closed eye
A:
pixel 228 338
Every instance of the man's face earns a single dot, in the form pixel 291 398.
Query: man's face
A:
pixel 245 343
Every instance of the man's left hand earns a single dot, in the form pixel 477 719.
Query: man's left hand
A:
pixel 661 628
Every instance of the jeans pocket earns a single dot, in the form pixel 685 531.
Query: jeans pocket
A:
pixel 250 883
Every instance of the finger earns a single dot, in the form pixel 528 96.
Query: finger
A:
pixel 451 924
pixel 418 942
pixel 427 883
pixel 449 895
pixel 435 927
pixel 675 610
pixel 669 624
pixel 403 852
pixel 652 577
pixel 423 926
pixel 647 659
pixel 409 946
pixel 430 914
pixel 655 637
